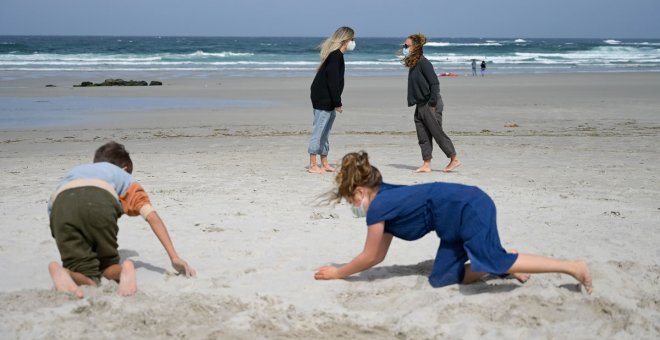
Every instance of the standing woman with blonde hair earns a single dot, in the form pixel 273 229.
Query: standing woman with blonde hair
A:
pixel 326 91
pixel 424 92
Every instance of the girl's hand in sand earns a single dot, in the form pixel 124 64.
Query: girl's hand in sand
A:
pixel 182 267
pixel 327 273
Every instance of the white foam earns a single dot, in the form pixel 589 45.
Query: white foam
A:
pixel 447 44
pixel 219 54
pixel 612 42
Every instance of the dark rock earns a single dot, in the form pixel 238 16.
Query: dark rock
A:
pixel 155 83
pixel 114 82
pixel 50 85
pixel 84 84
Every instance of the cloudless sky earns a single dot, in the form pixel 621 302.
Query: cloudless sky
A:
pixel 370 18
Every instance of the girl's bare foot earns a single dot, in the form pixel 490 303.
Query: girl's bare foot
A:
pixel 63 281
pixel 583 275
pixel 329 168
pixel 453 164
pixel 423 168
pixel 522 278
pixel 127 282
pixel 315 170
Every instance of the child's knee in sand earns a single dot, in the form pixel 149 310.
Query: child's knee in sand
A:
pixel 115 192
pixel 361 184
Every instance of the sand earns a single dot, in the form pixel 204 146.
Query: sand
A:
pixel 577 178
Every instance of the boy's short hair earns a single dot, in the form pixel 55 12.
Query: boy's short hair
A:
pixel 115 153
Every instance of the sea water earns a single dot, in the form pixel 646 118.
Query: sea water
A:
pixel 167 57
pixel 161 58
pixel 63 111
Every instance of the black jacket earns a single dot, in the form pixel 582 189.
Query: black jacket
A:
pixel 329 83
pixel 423 84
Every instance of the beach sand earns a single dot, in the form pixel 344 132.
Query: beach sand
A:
pixel 577 178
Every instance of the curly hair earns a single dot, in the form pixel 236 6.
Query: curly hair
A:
pixel 355 171
pixel 416 50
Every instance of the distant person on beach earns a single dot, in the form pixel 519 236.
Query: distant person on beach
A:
pixel 326 91
pixel 474 68
pixel 83 220
pixel 424 92
pixel 483 68
pixel 462 216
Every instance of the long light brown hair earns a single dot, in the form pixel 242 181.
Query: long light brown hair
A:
pixel 355 171
pixel 340 37
pixel 416 50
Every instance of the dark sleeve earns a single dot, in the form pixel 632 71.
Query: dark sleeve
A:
pixel 334 78
pixel 434 83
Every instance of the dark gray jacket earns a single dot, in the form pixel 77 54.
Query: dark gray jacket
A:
pixel 423 84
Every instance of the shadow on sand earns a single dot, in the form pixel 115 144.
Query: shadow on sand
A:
pixel 128 253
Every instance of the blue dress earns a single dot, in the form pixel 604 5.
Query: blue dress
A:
pixel 462 216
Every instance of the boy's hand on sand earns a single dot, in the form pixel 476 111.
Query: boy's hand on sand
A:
pixel 327 273
pixel 182 267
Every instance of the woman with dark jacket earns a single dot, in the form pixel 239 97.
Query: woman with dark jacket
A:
pixel 326 93
pixel 424 92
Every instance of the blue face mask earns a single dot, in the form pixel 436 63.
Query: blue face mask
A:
pixel 406 52
pixel 359 212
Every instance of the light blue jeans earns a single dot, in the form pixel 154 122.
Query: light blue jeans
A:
pixel 319 144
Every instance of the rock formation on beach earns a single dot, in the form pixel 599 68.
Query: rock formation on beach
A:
pixel 120 82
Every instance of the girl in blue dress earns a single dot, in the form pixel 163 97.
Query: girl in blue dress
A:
pixel 462 216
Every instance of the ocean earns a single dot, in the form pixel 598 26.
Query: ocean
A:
pixel 30 56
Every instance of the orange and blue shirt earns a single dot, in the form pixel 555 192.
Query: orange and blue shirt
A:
pixel 130 195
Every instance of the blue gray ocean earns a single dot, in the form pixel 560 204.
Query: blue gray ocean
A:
pixel 31 56
pixel 162 58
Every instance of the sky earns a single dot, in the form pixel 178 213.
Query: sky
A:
pixel 370 18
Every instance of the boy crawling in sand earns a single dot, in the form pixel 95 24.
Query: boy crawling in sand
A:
pixel 83 220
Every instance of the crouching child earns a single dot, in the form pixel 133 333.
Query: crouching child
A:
pixel 83 211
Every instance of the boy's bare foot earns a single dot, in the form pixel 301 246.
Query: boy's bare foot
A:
pixel 63 281
pixel 127 282
pixel 315 170
pixel 329 168
pixel 423 168
pixel 583 275
pixel 453 164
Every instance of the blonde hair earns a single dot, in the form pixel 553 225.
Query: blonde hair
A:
pixel 334 42
pixel 355 171
pixel 416 50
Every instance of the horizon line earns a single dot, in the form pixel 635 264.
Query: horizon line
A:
pixel 296 36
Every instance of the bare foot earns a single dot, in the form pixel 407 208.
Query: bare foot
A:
pixel 583 275
pixel 423 168
pixel 315 170
pixel 127 282
pixel 63 281
pixel 329 168
pixel 453 164
pixel 522 278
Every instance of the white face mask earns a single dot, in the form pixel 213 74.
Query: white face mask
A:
pixel 406 52
pixel 351 45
